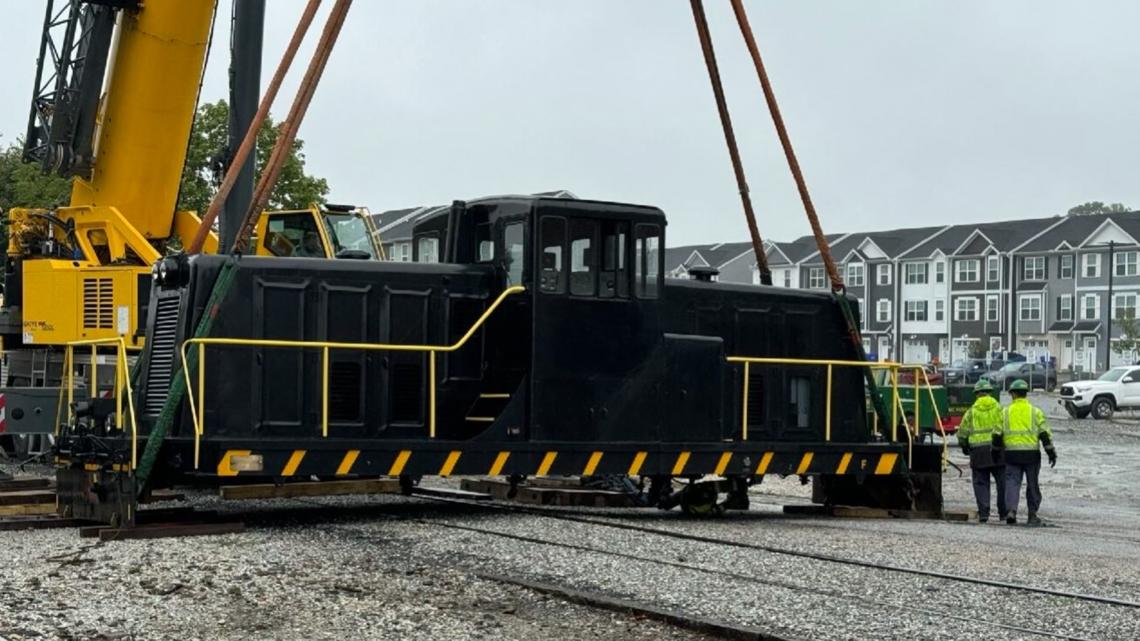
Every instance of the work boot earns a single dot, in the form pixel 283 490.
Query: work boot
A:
pixel 1034 520
pixel 1011 520
pixel 982 518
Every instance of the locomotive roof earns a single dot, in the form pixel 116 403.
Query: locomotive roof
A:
pixel 601 208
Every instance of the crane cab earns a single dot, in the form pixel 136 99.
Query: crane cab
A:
pixel 320 231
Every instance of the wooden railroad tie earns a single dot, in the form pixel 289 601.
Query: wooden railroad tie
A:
pixel 310 488
pixel 860 512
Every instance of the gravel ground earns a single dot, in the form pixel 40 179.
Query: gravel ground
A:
pixel 403 569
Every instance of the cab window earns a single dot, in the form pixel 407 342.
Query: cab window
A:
pixel 552 272
pixel 647 258
pixel 583 254
pixel 484 245
pixel 614 275
pixel 427 249
pixel 293 235
pixel 513 246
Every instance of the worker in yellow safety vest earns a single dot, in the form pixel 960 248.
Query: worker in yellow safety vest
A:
pixel 979 436
pixel 1024 431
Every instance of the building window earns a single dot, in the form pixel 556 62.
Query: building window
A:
pixel 427 249
pixel 855 274
pixel 883 311
pixel 1066 270
pixel 939 272
pixel 916 273
pixel 915 310
pixel 1065 307
pixel 1090 265
pixel 1090 307
pixel 815 278
pixel 884 274
pixel 1124 263
pixel 862 318
pixel 992 269
pixel 939 310
pixel 966 271
pixel 1029 308
pixel 966 309
pixel 402 252
pixel 1033 268
pixel 992 308
pixel 1124 305
pixel 787 278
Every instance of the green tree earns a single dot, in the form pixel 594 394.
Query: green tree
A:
pixel 24 185
pixel 205 164
pixel 1129 340
pixel 1097 207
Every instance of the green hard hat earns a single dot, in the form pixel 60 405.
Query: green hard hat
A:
pixel 983 385
pixel 1019 386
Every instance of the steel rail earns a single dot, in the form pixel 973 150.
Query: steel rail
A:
pixel 795 553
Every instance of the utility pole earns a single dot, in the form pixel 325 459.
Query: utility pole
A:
pixel 246 35
pixel 1108 332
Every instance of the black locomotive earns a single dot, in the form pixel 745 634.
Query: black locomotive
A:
pixel 546 340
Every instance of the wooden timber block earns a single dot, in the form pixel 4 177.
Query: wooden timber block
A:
pixel 39 523
pixel 166 530
pixel 496 489
pixel 859 512
pixel 28 483
pixel 32 509
pixel 27 497
pixel 310 488
pixel 808 510
pixel 159 496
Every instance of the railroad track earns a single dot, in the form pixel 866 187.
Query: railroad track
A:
pixel 313 512
pixel 750 578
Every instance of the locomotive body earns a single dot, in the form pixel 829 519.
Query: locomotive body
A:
pixel 545 341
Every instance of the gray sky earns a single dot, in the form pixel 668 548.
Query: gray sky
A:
pixel 902 113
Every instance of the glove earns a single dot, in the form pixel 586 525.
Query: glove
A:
pixel 1052 454
pixel 965 447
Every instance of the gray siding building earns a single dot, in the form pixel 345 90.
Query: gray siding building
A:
pixel 1045 288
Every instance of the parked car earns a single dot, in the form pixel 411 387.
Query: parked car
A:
pixel 906 376
pixel 1116 389
pixel 1038 376
pixel 965 372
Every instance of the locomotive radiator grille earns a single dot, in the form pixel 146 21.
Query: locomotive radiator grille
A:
pixel 160 366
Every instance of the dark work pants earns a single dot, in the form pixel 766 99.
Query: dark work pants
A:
pixel 982 489
pixel 1013 474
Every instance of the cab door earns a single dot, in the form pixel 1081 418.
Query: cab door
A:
pixel 595 333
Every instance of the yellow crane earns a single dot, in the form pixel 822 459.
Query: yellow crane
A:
pixel 115 98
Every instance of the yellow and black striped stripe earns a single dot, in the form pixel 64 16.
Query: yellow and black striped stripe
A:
pixel 300 462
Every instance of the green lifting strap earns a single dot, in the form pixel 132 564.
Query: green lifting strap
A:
pixel 861 354
pixel 170 409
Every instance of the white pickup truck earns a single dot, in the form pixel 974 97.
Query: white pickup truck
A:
pixel 1116 389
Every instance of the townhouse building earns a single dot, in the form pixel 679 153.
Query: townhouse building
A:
pixel 1047 288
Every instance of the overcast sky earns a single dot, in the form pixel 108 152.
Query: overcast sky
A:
pixel 902 113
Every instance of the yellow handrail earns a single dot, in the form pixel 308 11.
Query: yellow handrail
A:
pixel 122 381
pixel 937 420
pixel 830 365
pixel 198 409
